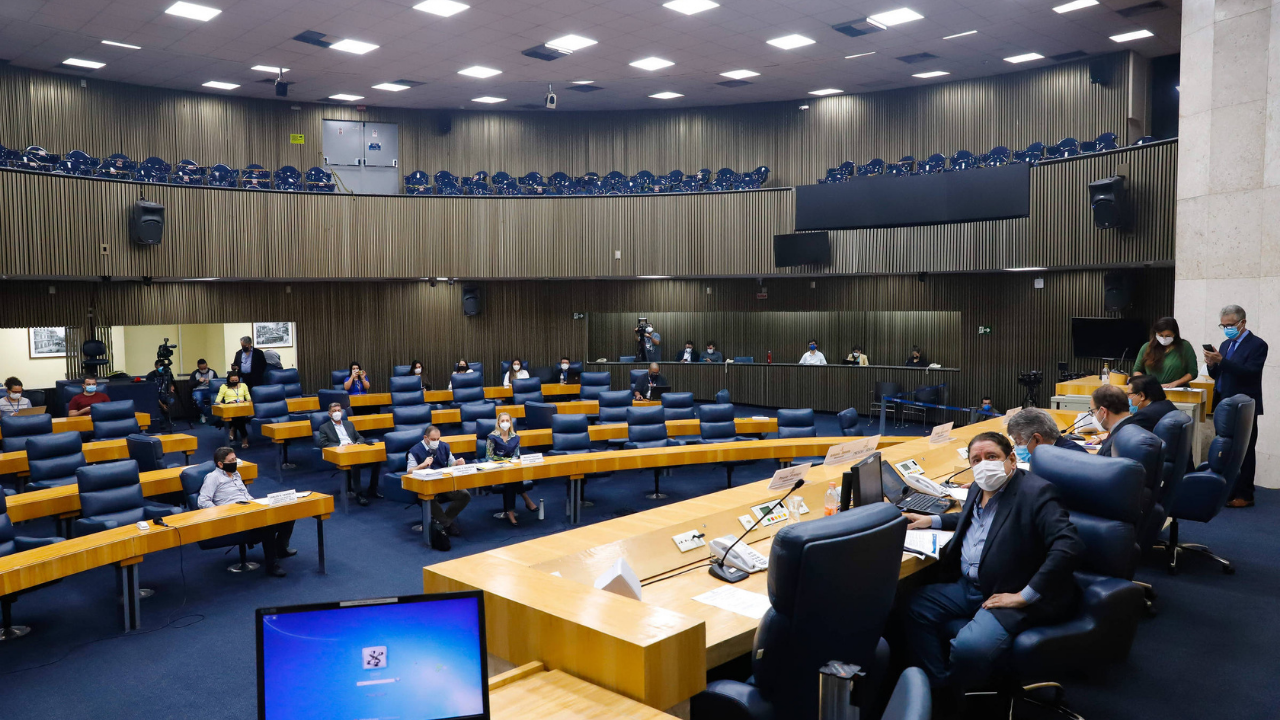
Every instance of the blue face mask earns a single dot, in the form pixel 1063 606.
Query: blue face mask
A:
pixel 1132 408
pixel 986 408
pixel 1024 455
pixel 1231 332
pixel 812 346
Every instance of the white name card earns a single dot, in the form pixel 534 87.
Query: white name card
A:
pixel 786 477
pixel 531 458
pixel 620 579
pixel 459 470
pixel 428 474
pixel 691 540
pixel 941 433
pixel 281 498
pixel 851 452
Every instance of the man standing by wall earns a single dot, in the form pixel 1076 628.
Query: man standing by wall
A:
pixel 1237 367
pixel 250 361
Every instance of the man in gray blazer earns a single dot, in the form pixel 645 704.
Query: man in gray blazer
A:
pixel 339 431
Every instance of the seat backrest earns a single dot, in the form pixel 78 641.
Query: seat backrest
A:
pixel 114 410
pixel 145 450
pixel 722 396
pixel 318 418
pixel 402 370
pixel 637 374
pixel 406 383
pixel 484 426
pixel 1175 429
pixel 848 418
pixel 411 415
pixel 269 402
pixel 526 397
pixel 538 414
pixel 56 455
pixel 911 699
pixel 849 560
pixel 287 377
pixel 794 423
pixel 646 424
pixel 593 383
pixel 1232 424
pixel 527 385
pixel 328 397
pixel 476 410
pixel 570 432
pixel 109 488
pixel 112 429
pixel 402 399
pixel 677 400
pixel 715 421
pixel 398 444
pixel 16 429
pixel 615 398
pixel 467 395
pixel 1104 497
pixel 744 358
pixel 1140 444
pixel 479 370
pixel 466 380
pixel 338 378
pixel 192 478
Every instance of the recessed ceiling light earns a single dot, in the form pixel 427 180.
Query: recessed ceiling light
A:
pixel 487 99
pixel 127 46
pixel 270 69
pixel 390 87
pixel 221 85
pixel 583 82
pixel 894 17
pixel 1026 57
pixel 1026 269
pixel 690 7
pixel 479 71
pixel 346 98
pixel 790 42
pixel 1075 5
pixel 953 37
pixel 1135 35
pixel 76 62
pixel 570 43
pixel 825 91
pixel 652 63
pixel 443 8
pixel 932 74
pixel 666 95
pixel 354 47
pixel 193 11
pixel 850 57
pixel 739 74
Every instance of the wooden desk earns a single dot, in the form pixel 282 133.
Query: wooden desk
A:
pixel 570 407
pixel 498 392
pixel 1196 399
pixel 370 399
pixel 303 404
pixel 530 691
pixel 84 423
pixel 226 411
pixel 103 451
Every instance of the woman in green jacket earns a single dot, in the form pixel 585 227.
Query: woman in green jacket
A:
pixel 1167 356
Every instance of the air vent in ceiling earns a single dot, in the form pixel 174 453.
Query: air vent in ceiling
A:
pixel 857 28
pixel 584 88
pixel 311 37
pixel 542 52
pixel 733 83
pixel 1143 9
pixel 1074 54
pixel 918 58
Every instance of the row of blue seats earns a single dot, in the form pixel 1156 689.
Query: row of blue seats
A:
pixel 614 183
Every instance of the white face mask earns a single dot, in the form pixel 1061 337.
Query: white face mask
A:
pixel 564 366
pixel 15 396
pixel 504 425
pixel 433 444
pixel 417 371
pixel 337 416
pixel 649 329
pixel 1164 340
pixel 990 475
pixel 515 366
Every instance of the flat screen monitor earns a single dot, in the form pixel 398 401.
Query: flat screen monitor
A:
pixel 420 657
pixel 1109 338
pixel 861 484
pixel 810 248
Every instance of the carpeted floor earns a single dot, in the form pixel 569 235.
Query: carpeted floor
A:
pixel 1209 653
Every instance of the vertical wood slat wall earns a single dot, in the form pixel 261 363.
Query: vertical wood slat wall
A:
pixel 1012 109
pixel 381 324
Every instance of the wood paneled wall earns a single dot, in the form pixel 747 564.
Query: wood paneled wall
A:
pixel 386 323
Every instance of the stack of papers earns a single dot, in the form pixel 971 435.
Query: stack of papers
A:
pixel 736 600
pixel 929 542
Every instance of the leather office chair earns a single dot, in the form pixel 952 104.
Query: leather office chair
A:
pixel 1198 496
pixel 52 460
pixel 1147 449
pixel 647 428
pixel 406 383
pixel 484 428
pixel 911 699
pixel 411 417
pixel 93 355
pixel 398 444
pixel 10 543
pixel 338 379
pixel 538 415
pixel 329 397
pixel 467 388
pixel 847 560
pixel 716 425
pixel 1176 429
pixel 148 452
pixel 796 423
pixel 570 435
pixel 407 399
pixel 678 406
pixel 635 375
pixel 192 479
pixel 478 369
pixel 287 377
pixel 613 406
pixel 593 383
pixel 269 406
pixel 849 420
pixel 470 412
pixel 722 396
pixel 526 390
pixel 402 371
pixel 16 429
pixel 111 496
pixel 115 419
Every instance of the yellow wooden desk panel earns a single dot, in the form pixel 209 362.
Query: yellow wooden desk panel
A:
pixel 196 525
pixel 303 404
pixel 349 456
pixel 531 692
pixel 370 399
pixel 233 410
pixel 295 429
pixel 23 570
pixel 1200 391
pixel 101 451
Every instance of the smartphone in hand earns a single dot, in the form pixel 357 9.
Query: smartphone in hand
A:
pixel 1208 348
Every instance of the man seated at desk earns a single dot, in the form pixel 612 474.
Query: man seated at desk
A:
pixel 13 401
pixel 688 355
pixel 1143 405
pixel 814 356
pixel 645 384
pixel 434 454
pixel 223 486
pixel 80 404
pixel 338 432
pixel 567 375
pixel 1009 567
pixel 1033 427
pixel 711 354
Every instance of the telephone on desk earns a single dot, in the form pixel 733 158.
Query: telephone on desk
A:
pixel 741 557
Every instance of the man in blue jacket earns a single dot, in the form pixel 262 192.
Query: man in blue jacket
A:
pixel 1237 368
pixel 434 454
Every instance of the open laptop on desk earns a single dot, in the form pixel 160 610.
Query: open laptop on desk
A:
pixel 905 497
pixel 656 392
pixel 36 410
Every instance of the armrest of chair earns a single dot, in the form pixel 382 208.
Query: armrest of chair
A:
pixel 629 446
pixel 296 417
pixel 1198 496
pixel 676 443
pixel 151 512
pixel 1102 631
pixel 31 543
pixel 730 700
pixel 85 526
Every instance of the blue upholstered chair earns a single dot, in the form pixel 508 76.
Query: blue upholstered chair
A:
pixel 148 452
pixel 398 444
pixel 635 375
pixel 678 406
pixel 10 543
pixel 16 429
pixel 467 388
pixel 526 390
pixel 287 377
pixel 484 428
pixel 538 415
pixel 338 379
pixel 192 479
pixel 1147 449
pixel 716 424
pixel 647 428
pixel 593 383
pixel 722 396
pixel 406 390
pixel 796 423
pixel 52 459
pixel 911 699
pixel 848 560
pixel 1176 429
pixel 329 397
pixel 848 419
pixel 115 419
pixel 471 412
pixel 402 371
pixel 411 417
pixel 570 435
pixel 613 406
pixel 269 406
pixel 407 399
pixel 111 496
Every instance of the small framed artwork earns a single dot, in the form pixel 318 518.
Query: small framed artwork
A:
pixel 47 342
pixel 273 335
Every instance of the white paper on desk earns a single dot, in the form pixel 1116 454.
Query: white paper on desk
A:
pixel 459 470
pixel 530 458
pixel 787 477
pixel 851 452
pixel 923 541
pixel 736 600
pixel 959 493
pixel 620 579
pixel 486 465
pixel 428 474
pixel 761 417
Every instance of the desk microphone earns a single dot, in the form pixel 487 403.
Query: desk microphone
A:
pixel 732 574
pixel 1079 420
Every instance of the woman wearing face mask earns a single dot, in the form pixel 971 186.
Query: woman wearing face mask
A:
pixel 460 368
pixel 357 383
pixel 516 372
pixel 415 369
pixel 1009 567
pixel 13 401
pixel 857 357
pixel 235 392
pixel 1167 356
pixel 504 446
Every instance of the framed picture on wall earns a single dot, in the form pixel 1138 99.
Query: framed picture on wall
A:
pixel 47 342
pixel 273 334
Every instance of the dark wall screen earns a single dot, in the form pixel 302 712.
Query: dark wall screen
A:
pixel 801 249
pixel 1110 338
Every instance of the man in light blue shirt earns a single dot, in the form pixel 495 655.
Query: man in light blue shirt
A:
pixel 223 486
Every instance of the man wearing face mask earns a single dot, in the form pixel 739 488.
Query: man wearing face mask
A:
pixel 433 454
pixel 1033 427
pixel 1237 367
pixel 223 486
pixel 813 357
pixel 338 432
pixel 13 401
pixel 1111 408
pixel 1009 567
pixel 648 343
pixel 250 361
pixel 645 384
pixel 567 375
pixel 711 354
pixel 79 405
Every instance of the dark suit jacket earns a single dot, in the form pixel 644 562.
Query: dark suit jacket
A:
pixel 1241 374
pixel 1104 450
pixel 1031 542
pixel 642 383
pixel 1146 418
pixel 257 366
pixel 1068 444
pixel 569 376
pixel 328 435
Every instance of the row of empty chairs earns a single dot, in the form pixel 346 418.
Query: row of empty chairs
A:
pixel 559 183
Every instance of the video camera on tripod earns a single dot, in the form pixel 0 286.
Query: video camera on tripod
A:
pixel 164 353
pixel 1031 379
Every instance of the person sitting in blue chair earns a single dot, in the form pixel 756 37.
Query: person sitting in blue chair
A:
pixel 503 445
pixel 223 487
pixel 433 454
pixel 202 388
pixel 357 383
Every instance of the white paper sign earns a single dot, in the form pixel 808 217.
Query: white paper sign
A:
pixel 941 433
pixel 786 477
pixel 281 498
pixel 736 600
pixel 620 579
pixel 460 470
pixel 530 458
pixel 428 474
pixel 691 540
pixel 852 451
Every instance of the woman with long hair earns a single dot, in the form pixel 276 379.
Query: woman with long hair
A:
pixel 516 372
pixel 1167 356
pixel 503 445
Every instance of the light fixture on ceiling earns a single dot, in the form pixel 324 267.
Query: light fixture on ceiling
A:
pixel 355 47
pixel 653 277
pixel 931 74
pixel 953 37
pixel 479 71
pixel 825 91
pixel 1025 57
pixel 668 95
pixel 740 74
pixel 583 82
pixel 77 62
pixel 126 46
pixel 443 8
pixel 652 63
pixel 270 69
pixel 193 11
pixel 690 7
pixel 1075 5
pixel 344 97
pixel 850 57
pixel 570 43
pixel 218 85
pixel 894 17
pixel 1135 35
pixel 488 99
pixel 1026 269
pixel 790 42
pixel 390 87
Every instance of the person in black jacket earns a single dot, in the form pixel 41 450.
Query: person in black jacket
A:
pixel 646 383
pixel 338 432
pixel 1147 402
pixel 1236 366
pixel 250 362
pixel 1033 427
pixel 1110 407
pixel 1009 567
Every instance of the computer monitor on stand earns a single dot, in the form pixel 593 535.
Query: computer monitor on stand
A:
pixel 861 485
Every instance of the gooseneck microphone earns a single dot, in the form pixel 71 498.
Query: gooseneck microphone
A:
pixel 734 575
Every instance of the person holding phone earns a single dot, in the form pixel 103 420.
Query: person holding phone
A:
pixel 1237 369
pixel 1167 356
pixel 357 383
pixel 223 486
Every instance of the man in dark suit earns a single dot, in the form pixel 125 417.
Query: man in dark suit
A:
pixel 1110 407
pixel 644 385
pixel 339 431
pixel 1147 402
pixel 250 362
pixel 1009 567
pixel 1034 427
pixel 566 375
pixel 1237 368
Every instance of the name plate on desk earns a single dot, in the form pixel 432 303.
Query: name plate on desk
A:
pixel 281 498
pixel 941 433
pixel 461 470
pixel 786 477
pixel 531 459
pixel 428 474
pixel 852 451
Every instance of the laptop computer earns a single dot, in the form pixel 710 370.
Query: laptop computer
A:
pixel 906 498
pixel 35 410
pixel 656 392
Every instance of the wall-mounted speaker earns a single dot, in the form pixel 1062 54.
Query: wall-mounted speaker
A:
pixel 1118 291
pixel 444 123
pixel 1100 72
pixel 146 223
pixel 1109 199
pixel 471 304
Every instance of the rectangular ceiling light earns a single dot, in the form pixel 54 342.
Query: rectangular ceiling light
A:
pixel 479 71
pixel 221 85
pixel 570 43
pixel 1026 57
pixel 487 99
pixel 76 62
pixel 666 95
pixel 740 74
pixel 270 69
pixel 932 74
pixel 346 98
pixel 953 37
pixel 652 63
pixel 850 57
pixel 443 8
pixel 354 47
pixel 583 82
pixel 1026 269
pixel 895 17
pixel 790 42
pixel 825 91
pixel 193 11
pixel 1075 5
pixel 690 7
pixel 390 87
pixel 1135 35
pixel 120 44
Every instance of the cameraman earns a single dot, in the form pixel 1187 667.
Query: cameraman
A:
pixel 647 342
pixel 164 382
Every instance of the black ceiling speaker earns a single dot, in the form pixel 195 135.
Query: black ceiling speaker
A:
pixel 471 305
pixel 146 223
pixel 1100 72
pixel 1109 199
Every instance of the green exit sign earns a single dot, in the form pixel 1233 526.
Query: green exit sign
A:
pixel 984 329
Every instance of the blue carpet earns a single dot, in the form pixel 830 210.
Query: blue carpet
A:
pixel 196 654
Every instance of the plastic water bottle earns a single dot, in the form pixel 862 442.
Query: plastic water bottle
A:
pixel 541 504
pixel 832 503
pixel 1106 374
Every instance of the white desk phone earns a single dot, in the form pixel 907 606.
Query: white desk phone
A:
pixel 741 556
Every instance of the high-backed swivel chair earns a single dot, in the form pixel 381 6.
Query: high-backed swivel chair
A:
pixel 192 479
pixel 592 384
pixel 678 406
pixel 526 390
pixel 1176 429
pixel 647 428
pixel 570 435
pixel 111 496
pixel 411 417
pixel 796 423
pixel 16 429
pixel 10 543
pixel 398 444
pixel 115 419
pixel 406 390
pixel 467 388
pixel 269 406
pixel 716 425
pixel 401 370
pixel 538 414
pixel 52 460
pixel 288 377
pixel 148 452
pixel 470 412
pixel 849 420
pixel 614 405
pixel 1148 450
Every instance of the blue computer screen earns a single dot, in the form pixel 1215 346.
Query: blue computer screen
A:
pixel 410 661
